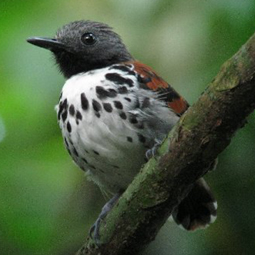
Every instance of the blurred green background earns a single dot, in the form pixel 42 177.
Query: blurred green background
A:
pixel 46 204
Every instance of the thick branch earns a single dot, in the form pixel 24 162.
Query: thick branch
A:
pixel 203 132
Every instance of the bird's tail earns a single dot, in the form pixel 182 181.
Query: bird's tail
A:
pixel 198 209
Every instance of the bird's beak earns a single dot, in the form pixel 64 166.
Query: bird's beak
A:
pixel 47 43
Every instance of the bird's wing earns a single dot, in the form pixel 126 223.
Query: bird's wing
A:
pixel 148 79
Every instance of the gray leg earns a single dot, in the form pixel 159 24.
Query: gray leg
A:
pixel 94 230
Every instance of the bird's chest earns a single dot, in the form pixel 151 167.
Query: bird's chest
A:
pixel 99 132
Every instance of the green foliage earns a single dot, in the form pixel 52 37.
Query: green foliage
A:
pixel 46 205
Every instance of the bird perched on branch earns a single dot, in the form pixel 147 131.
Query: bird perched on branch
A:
pixel 113 112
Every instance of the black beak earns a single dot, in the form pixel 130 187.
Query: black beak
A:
pixel 47 43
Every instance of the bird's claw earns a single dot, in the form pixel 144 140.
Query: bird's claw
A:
pixel 94 231
pixel 152 152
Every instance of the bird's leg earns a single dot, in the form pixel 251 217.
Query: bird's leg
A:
pixel 152 152
pixel 94 230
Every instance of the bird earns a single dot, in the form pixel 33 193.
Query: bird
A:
pixel 114 112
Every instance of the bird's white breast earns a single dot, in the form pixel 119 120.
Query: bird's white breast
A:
pixel 101 138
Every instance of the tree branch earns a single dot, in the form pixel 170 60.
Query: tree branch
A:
pixel 203 132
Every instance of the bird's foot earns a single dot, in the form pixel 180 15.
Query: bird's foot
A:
pixel 152 152
pixel 95 229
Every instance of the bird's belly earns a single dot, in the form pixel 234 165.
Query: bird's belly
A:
pixel 110 152
pixel 101 137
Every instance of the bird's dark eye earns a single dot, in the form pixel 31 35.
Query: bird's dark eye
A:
pixel 88 38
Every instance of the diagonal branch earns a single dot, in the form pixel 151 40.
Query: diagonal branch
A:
pixel 203 132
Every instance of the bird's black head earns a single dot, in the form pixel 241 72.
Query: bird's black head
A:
pixel 82 46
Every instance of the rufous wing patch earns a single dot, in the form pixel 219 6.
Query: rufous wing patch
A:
pixel 179 105
pixel 149 79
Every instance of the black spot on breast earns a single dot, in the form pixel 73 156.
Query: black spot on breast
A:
pixel 117 167
pixel 71 110
pixel 101 92
pixel 78 115
pixel 129 139
pixel 75 152
pixel 84 102
pixel 118 79
pixel 69 152
pixel 107 107
pixel 97 114
pixel 141 138
pixel 84 160
pixel 112 93
pixel 62 106
pixel 64 116
pixel 127 99
pixel 146 103
pixel 59 114
pixel 137 103
pixel 69 127
pixel 133 120
pixel 118 105
pixel 66 143
pixel 123 115
pixel 122 90
pixel 91 166
pixel 96 106
pixel 95 152
pixel 65 104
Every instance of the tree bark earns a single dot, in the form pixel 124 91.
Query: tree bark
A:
pixel 203 132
